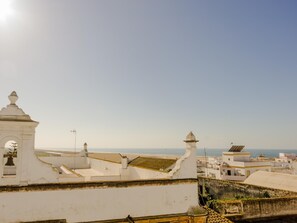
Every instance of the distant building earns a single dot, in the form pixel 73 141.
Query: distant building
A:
pixel 234 165
pixel 287 156
pixel 285 163
pixel 285 160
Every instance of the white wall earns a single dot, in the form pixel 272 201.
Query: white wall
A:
pixel 294 166
pixel 209 172
pixel 69 161
pixel 134 173
pixel 227 177
pixel 105 167
pixel 29 169
pixel 90 204
pixel 235 156
pixel 185 166
pixel 130 173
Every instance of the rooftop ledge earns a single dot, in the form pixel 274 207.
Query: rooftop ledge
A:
pixel 98 185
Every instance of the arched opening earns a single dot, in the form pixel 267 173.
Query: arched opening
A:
pixel 10 158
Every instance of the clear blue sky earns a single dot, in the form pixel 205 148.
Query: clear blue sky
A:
pixel 142 74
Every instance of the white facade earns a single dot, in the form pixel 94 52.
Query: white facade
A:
pixel 285 160
pixel 81 189
pixel 97 203
pixel 234 166
pixel 17 126
pixel 285 163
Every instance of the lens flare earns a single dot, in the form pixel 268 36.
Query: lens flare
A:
pixel 6 10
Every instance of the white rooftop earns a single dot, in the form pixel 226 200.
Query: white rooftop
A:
pixel 273 180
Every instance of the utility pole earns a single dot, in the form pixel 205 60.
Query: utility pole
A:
pixel 74 132
pixel 205 171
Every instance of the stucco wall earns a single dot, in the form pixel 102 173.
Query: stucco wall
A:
pixel 70 162
pixel 91 203
pixel 23 133
pixel 186 166
pixel 105 167
pixel 258 208
pixel 221 189
pixel 270 207
pixel 135 173
pixel 130 173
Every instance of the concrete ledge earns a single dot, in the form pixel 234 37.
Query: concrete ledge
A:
pixel 47 221
pixel 258 208
pixel 161 218
pixel 104 184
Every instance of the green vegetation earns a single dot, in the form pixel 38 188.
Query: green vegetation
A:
pixel 266 194
pixel 196 210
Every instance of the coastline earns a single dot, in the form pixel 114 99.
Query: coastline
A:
pixel 175 152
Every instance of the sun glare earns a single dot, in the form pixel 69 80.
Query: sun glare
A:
pixel 6 10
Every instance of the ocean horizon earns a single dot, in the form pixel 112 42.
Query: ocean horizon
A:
pixel 178 151
pixel 200 152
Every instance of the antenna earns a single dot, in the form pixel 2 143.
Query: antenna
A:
pixel 206 172
pixel 74 132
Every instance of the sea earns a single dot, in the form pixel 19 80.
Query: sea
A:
pixel 213 152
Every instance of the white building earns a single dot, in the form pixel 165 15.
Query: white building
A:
pixel 285 163
pixel 285 160
pixel 234 165
pixel 85 188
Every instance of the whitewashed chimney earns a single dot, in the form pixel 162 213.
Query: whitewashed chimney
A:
pixel 84 151
pixel 191 146
pixel 124 161
pixel 186 166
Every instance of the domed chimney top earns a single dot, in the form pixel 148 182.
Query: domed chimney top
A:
pixel 191 138
pixel 12 112
pixel 13 97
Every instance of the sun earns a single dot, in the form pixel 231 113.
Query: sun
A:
pixel 6 10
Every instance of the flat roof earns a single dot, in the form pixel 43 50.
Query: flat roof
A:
pixel 142 161
pixel 111 157
pixel 153 163
pixel 274 180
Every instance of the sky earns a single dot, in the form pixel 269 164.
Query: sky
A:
pixel 143 73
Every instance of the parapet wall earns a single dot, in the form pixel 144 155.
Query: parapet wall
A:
pixel 222 189
pixel 258 208
pixel 86 202
pixel 73 162
pixel 239 201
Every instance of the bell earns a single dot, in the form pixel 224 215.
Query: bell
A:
pixel 9 161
